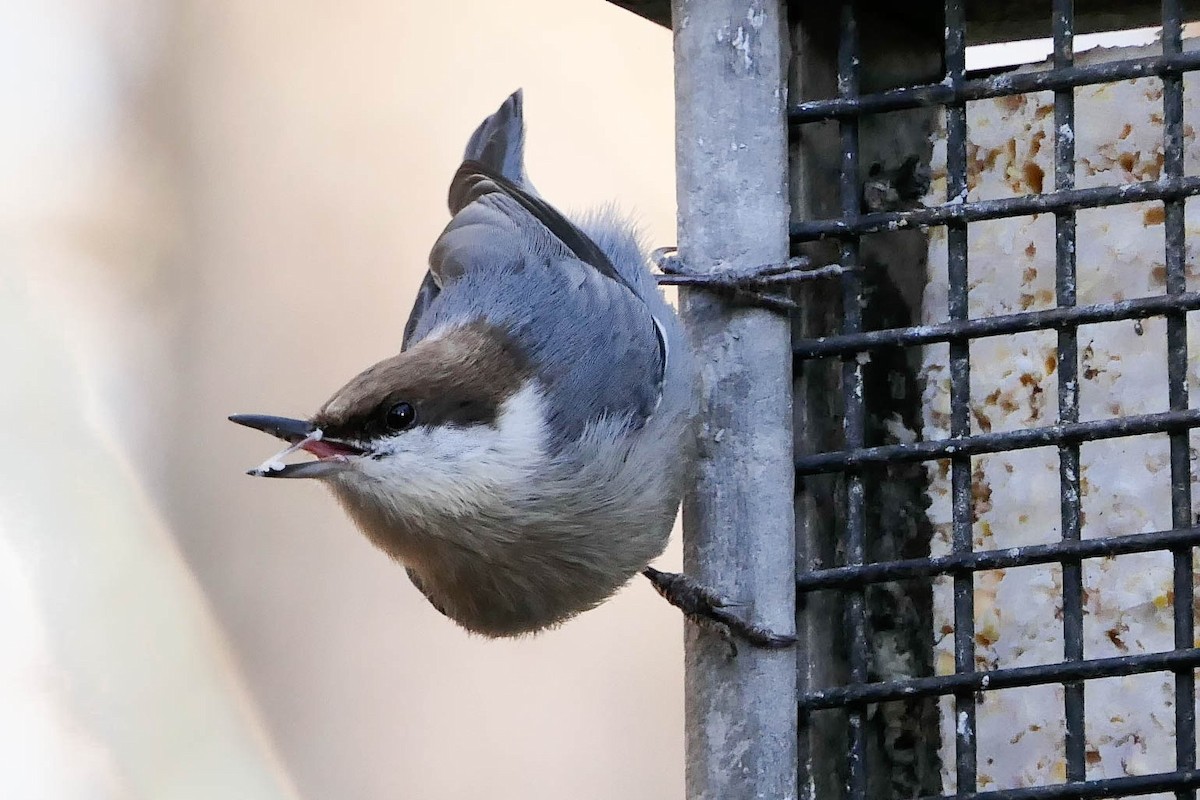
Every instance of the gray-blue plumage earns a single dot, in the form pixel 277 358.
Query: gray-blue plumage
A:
pixel 577 298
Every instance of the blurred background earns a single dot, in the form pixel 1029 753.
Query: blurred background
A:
pixel 220 206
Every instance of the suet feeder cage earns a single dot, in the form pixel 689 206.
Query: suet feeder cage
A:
pixel 990 415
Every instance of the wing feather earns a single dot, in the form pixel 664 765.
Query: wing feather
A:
pixel 510 258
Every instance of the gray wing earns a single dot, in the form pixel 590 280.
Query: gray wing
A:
pixel 499 142
pixel 511 259
pixel 425 295
pixel 499 145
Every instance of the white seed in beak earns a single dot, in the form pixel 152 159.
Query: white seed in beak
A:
pixel 275 462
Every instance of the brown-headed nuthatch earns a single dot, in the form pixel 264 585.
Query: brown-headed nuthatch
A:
pixel 525 453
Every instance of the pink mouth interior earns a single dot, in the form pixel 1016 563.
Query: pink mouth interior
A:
pixel 323 449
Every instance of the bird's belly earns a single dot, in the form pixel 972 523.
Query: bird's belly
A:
pixel 534 577
pixel 532 554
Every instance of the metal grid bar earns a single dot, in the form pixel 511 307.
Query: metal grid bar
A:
pixel 1138 308
pixel 854 421
pixel 994 680
pixel 857 460
pixel 1109 787
pixel 1004 85
pixel 962 515
pixel 1030 555
pixel 1177 354
pixel 957 211
pixel 1068 389
pixel 1023 439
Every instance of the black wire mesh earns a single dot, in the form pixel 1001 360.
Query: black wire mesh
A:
pixel 854 576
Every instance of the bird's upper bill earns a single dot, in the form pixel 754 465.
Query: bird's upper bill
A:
pixel 332 455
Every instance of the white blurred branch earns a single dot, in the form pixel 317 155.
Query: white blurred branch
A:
pixel 114 679
pixel 121 681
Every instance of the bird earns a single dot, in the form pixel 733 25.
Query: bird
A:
pixel 524 454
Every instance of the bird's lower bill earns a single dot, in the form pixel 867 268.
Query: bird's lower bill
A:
pixel 330 459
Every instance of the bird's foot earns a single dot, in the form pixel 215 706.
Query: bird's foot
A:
pixel 764 285
pixel 711 611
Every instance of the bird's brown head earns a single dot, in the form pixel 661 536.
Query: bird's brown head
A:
pixel 464 395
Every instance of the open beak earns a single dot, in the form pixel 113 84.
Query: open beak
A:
pixel 300 435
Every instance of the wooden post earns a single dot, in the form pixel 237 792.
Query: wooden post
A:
pixel 739 531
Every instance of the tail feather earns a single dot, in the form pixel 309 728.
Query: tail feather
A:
pixel 499 142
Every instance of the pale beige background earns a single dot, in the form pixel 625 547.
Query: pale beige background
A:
pixel 224 206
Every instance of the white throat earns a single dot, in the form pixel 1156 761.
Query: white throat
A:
pixel 456 471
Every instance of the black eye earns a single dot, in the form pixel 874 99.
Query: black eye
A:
pixel 400 416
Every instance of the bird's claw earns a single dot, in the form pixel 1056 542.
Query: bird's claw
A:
pixel 751 285
pixel 709 610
